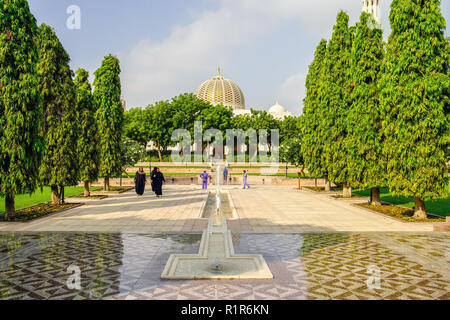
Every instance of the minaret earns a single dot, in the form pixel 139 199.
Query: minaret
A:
pixel 372 7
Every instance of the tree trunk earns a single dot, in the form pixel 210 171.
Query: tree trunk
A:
pixel 159 152
pixel 10 211
pixel 375 197
pixel 419 209
pixel 56 199
pixel 327 185
pixel 347 190
pixel 87 193
pixel 106 183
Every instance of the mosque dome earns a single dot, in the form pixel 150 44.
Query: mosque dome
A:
pixel 277 108
pixel 220 90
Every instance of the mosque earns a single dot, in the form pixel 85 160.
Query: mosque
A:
pixel 220 90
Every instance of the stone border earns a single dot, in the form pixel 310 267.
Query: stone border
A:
pixel 349 199
pixel 48 215
pixel 98 198
pixel 393 218
pixel 113 192
pixel 232 206
pixel 325 193
pixel 201 212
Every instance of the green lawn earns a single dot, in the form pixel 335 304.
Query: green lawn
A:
pixel 439 207
pixel 26 200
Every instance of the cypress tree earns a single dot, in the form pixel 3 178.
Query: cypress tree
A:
pixel 20 107
pixel 366 169
pixel 88 137
pixel 312 118
pixel 415 102
pixel 110 116
pixel 59 165
pixel 337 90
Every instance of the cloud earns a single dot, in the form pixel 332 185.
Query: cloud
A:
pixel 158 70
pixel 292 91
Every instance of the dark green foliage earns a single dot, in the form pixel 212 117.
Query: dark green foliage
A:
pixel 59 165
pixel 187 108
pixel 290 141
pixel 161 124
pixel 415 101
pixel 336 100
pixel 88 133
pixel 312 119
pixel 20 106
pixel 216 117
pixel 289 128
pixel 366 168
pixel 137 125
pixel 107 92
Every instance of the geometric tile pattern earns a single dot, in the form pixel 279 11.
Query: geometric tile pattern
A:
pixel 305 266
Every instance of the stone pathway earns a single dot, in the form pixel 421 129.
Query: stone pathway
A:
pixel 287 209
pixel 177 210
pixel 261 209
pixel 305 266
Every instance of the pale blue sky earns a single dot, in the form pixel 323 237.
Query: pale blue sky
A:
pixel 168 47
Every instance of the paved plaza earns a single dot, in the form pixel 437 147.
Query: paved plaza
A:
pixel 315 247
pixel 261 209
pixel 305 266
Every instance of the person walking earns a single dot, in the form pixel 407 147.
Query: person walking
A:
pixel 152 177
pixel 225 175
pixel 158 181
pixel 139 182
pixel 204 177
pixel 245 180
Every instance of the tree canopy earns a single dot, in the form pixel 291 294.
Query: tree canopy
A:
pixel 110 114
pixel 88 132
pixel 415 102
pixel 59 165
pixel 20 105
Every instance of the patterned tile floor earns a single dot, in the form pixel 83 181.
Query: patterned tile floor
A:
pixel 305 266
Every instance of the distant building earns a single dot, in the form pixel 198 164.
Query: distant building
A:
pixel 220 90
pixel 372 7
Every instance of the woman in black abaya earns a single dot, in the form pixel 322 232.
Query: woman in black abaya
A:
pixel 158 182
pixel 139 181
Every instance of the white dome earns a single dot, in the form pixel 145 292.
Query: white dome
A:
pixel 277 108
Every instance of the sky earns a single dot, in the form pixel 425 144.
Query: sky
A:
pixel 169 47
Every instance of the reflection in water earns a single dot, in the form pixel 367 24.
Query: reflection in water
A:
pixel 305 266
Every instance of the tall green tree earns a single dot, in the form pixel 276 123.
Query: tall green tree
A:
pixel 313 116
pixel 337 100
pixel 415 101
pixel 88 132
pixel 59 165
pixel 366 168
pixel 161 125
pixel 107 92
pixel 20 106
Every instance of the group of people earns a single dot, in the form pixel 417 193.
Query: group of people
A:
pixel 205 176
pixel 156 178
